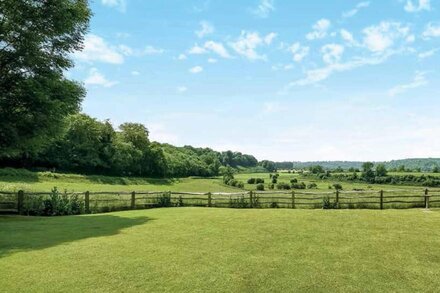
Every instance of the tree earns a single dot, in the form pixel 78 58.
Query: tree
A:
pixel 381 170
pixel 37 39
pixel 367 171
pixel 316 169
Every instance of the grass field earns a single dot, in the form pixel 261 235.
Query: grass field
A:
pixel 14 180
pixel 222 250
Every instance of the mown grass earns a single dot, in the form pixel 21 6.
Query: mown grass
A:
pixel 223 250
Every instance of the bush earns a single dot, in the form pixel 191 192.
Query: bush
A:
pixel 312 185
pixel 240 203
pixel 271 186
pixel 164 200
pixel 259 180
pixel 293 180
pixel 240 184
pixel 274 180
pixel 300 185
pixel 55 205
pixel 251 181
pixel 284 186
pixel 328 204
pixel 274 205
pixel 337 186
pixel 260 187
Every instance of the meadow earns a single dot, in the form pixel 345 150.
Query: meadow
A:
pixel 222 250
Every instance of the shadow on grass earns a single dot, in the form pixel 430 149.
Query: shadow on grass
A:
pixel 19 234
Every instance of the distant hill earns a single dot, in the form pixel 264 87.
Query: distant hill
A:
pixel 425 164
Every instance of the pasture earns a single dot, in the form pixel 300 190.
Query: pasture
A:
pixel 222 250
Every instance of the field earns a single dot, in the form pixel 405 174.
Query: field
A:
pixel 14 180
pixel 222 250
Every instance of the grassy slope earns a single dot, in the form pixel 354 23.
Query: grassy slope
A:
pixel 13 180
pixel 223 250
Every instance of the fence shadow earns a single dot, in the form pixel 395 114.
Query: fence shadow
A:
pixel 19 234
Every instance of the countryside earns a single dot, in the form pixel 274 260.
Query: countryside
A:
pixel 212 146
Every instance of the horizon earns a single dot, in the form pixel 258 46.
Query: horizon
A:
pixel 279 80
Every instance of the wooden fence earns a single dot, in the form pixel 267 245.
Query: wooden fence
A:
pixel 93 202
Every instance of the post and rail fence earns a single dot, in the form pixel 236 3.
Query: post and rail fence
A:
pixel 102 201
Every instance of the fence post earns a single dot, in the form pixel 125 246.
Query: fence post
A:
pixel 251 202
pixel 426 198
pixel 87 202
pixel 381 199
pixel 133 200
pixel 293 199
pixel 20 201
pixel 209 199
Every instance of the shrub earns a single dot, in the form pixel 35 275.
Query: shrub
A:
pixel 271 186
pixel 232 182
pixel 251 181
pixel 328 204
pixel 259 180
pixel 337 186
pixel 284 186
pixel 300 185
pixel 239 203
pixel 312 185
pixel 293 180
pixel 274 205
pixel 240 184
pixel 260 186
pixel 164 200
pixel 274 180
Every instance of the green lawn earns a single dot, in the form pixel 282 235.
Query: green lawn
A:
pixel 223 250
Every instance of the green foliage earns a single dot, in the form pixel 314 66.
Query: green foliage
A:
pixel 327 203
pixel 312 185
pixel 316 169
pixel 55 204
pixel 293 180
pixel 260 187
pixel 300 185
pixel 337 186
pixel 283 186
pixel 381 170
pixel 251 181
pixel 164 200
pixel 268 165
pixel 37 39
pixel 238 203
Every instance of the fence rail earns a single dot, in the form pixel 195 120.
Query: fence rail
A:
pixel 102 201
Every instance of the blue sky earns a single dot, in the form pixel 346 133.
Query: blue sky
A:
pixel 283 80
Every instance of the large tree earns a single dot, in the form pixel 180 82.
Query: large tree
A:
pixel 37 38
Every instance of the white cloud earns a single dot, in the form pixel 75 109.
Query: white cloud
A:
pixel 320 29
pixel 181 57
pixel 264 8
pixel 269 38
pixel 355 10
pixel 431 31
pixel 197 50
pixel 121 5
pixel 181 89
pixel 97 49
pixel 217 48
pixel 206 29
pixel 316 75
pixel 210 46
pixel 96 78
pixel 427 54
pixel 248 42
pixel 212 60
pixel 285 67
pixel 196 69
pixel 348 38
pixel 382 37
pixel 422 5
pixel 135 73
pixel 419 80
pixel 332 53
pixel 271 107
pixel 299 52
pixel 150 50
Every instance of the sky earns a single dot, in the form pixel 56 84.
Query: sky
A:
pixel 282 80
